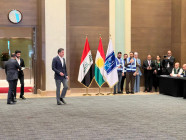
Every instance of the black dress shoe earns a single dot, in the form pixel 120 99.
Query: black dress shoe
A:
pixel 22 97
pixel 59 103
pixel 132 92
pixel 127 92
pixel 62 100
pixel 10 103
pixel 14 100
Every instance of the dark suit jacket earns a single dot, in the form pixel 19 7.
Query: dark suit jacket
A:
pixel 22 64
pixel 57 68
pixel 171 63
pixel 11 69
pixel 145 65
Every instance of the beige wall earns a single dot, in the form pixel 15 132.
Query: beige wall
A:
pixel 55 20
pixel 127 29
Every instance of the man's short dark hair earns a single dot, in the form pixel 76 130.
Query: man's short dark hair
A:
pixel 17 51
pixel 132 52
pixel 13 55
pixel 125 54
pixel 60 50
pixel 119 52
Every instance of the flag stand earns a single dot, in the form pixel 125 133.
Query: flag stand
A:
pixel 87 93
pixel 111 93
pixel 99 93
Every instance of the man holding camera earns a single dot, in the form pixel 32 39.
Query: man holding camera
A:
pixel 168 63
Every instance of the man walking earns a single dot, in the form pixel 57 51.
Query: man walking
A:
pixel 11 70
pixel 21 63
pixel 60 76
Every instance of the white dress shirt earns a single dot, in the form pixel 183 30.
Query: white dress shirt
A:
pixel 61 58
pixel 18 60
pixel 175 75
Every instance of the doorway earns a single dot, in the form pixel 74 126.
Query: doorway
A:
pixel 23 39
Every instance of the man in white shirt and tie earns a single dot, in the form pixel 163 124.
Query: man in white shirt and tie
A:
pixel 149 67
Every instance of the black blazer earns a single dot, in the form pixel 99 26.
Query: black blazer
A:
pixel 145 65
pixel 158 67
pixel 11 69
pixel 57 68
pixel 171 63
pixel 22 64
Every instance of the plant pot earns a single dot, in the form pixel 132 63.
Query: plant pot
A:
pixel 3 64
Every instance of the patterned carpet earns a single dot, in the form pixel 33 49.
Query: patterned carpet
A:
pixel 130 117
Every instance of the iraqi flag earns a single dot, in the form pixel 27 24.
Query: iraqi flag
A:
pixel 110 68
pixel 86 72
pixel 99 65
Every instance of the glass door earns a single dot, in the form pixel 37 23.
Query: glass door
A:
pixel 23 39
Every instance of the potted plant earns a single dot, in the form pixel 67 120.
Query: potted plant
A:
pixel 4 59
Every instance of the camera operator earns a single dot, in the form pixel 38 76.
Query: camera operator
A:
pixel 168 63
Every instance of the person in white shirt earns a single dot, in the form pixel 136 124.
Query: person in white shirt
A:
pixel 183 74
pixel 176 71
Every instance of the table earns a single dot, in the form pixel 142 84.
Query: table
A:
pixel 173 86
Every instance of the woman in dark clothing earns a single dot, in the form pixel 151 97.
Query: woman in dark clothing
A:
pixel 157 72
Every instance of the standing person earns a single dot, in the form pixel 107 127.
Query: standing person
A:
pixel 123 77
pixel 138 73
pixel 60 76
pixel 176 71
pixel 120 70
pixel 157 72
pixel 11 70
pixel 148 66
pixel 130 73
pixel 20 73
pixel 168 63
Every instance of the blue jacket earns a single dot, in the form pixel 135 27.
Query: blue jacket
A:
pixel 131 67
pixel 119 62
pixel 57 68
pixel 139 63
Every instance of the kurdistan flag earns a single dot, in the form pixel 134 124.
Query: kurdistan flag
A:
pixel 99 65
pixel 86 72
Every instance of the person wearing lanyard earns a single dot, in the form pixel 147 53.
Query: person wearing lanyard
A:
pixel 138 73
pixel 148 66
pixel 120 66
pixel 184 71
pixel 130 73
pixel 124 77
pixel 157 72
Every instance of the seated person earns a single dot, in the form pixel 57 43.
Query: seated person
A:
pixel 176 71
pixel 183 74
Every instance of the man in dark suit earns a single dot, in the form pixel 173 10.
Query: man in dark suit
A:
pixel 11 70
pixel 20 73
pixel 60 76
pixel 168 63
pixel 149 67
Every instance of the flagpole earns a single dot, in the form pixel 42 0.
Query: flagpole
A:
pixel 111 89
pixel 86 94
pixel 99 93
pixel 111 92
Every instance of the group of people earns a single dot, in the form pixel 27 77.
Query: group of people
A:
pixel 14 71
pixel 129 68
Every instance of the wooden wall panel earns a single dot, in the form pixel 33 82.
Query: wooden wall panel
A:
pixel 151 27
pixel 28 9
pixel 85 17
pixel 183 32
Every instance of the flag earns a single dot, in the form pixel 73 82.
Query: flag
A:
pixel 110 68
pixel 99 65
pixel 86 72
